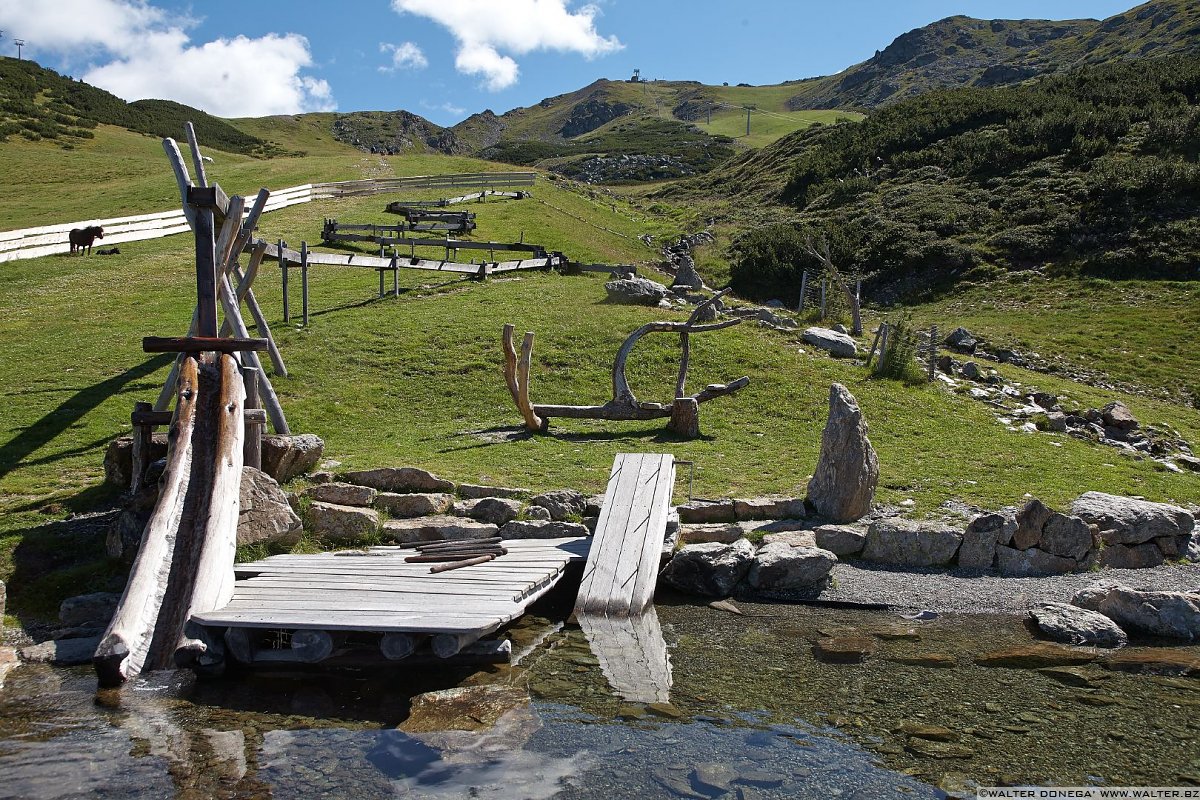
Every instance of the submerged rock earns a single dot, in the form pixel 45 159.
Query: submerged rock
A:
pixel 1034 655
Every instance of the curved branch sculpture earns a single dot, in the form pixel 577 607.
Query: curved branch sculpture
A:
pixel 624 405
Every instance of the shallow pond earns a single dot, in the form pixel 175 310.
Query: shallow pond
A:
pixel 754 713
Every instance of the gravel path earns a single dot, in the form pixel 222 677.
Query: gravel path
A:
pixel 939 590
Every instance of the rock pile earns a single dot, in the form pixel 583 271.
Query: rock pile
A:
pixel 1136 533
pixel 715 569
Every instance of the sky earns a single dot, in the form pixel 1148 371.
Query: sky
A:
pixel 447 59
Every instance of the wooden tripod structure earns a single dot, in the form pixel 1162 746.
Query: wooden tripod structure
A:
pixel 184 564
pixel 624 405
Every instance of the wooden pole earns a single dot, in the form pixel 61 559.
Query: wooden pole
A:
pixel 933 332
pixel 856 309
pixel 823 284
pixel 304 281
pixel 140 456
pixel 874 344
pixel 252 449
pixel 197 159
pixel 283 268
pixel 883 339
pixel 206 274
pixel 803 289
pixel 395 275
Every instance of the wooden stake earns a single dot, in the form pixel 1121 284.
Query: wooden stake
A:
pixel 304 281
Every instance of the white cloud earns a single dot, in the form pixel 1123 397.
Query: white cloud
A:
pixel 405 55
pixel 487 31
pixel 139 52
pixel 447 107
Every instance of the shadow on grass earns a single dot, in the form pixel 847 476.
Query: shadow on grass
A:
pixel 69 412
pixel 515 433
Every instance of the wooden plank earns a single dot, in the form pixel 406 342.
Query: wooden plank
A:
pixel 349 621
pixel 619 594
pixel 646 574
pixel 598 574
pixel 200 344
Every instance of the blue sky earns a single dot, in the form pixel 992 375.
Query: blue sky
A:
pixel 446 59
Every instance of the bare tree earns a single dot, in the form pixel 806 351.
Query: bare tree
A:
pixel 836 277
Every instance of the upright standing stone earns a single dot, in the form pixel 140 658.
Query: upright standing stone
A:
pixel 847 472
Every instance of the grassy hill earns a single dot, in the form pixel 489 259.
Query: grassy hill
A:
pixel 961 51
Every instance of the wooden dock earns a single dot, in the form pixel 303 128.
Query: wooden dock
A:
pixel 323 598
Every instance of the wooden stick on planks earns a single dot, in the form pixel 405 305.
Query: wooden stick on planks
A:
pixel 468 562
pixel 446 542
pixel 455 556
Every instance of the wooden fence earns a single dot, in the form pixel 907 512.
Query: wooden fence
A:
pixel 52 239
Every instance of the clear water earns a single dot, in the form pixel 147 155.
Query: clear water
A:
pixel 753 714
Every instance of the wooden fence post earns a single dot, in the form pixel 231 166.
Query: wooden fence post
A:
pixel 933 351
pixel 823 285
pixel 874 344
pixel 395 275
pixel 283 269
pixel 304 281
pixel 883 338
pixel 140 454
pixel 803 289
pixel 252 446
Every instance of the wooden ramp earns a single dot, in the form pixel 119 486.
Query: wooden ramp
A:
pixel 622 566
pixel 325 597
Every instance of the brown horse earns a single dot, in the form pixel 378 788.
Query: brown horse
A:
pixel 82 238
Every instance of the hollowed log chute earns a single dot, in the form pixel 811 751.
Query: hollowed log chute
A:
pixel 624 405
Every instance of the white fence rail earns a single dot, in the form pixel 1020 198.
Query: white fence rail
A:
pixel 51 239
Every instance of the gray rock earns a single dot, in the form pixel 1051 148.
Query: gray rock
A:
pixel 793 538
pixel 334 523
pixel 1171 614
pixel 686 276
pixel 1066 536
pixel 343 494
pixel 264 513
pixel 763 508
pixel 3 598
pixel 84 610
pixel 1117 415
pixel 635 291
pixel 404 480
pixel 562 504
pixel 980 539
pixel 284 456
pixel 125 534
pixel 118 458
pixel 470 491
pixel 1030 521
pixel 8 662
pixel 910 543
pixel 711 569
pixel 780 567
pixel 1123 520
pixel 970 371
pixel 1174 546
pixel 1070 624
pixel 61 652
pixel 723 532
pixel 1137 556
pixel 961 340
pixel 1027 563
pixel 595 504
pixel 706 511
pixel 841 540
pixel 838 345
pixel 436 528
pixel 847 471
pixel 1054 422
pixel 495 510
pixel 537 513
pixel 404 506
pixel 537 529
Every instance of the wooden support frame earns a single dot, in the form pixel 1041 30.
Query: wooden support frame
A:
pixel 624 405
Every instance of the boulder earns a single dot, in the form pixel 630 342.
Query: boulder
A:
pixel 404 506
pixel 971 372
pixel 724 532
pixel 495 510
pixel 1017 563
pixel 799 538
pixel 779 567
pixel 1138 556
pixel 686 276
pixel 847 471
pixel 1070 537
pixel 1174 546
pixel 711 569
pixel 284 456
pixel 635 291
pixel 264 514
pixel 539 529
pixel 1070 624
pixel 343 494
pixel 909 543
pixel 88 610
pixel 1118 415
pixel 8 662
pixel 436 528
pixel 841 540
pixel 470 491
pixel 960 340
pixel 763 508
pixel 62 652
pixel 404 480
pixel 1172 614
pixel 838 345
pixel 706 511
pixel 980 539
pixel 537 512
pixel 1030 520
pixel 118 458
pixel 562 504
pixel 329 522
pixel 1123 520
pixel 125 534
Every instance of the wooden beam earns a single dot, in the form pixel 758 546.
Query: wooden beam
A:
pixel 201 344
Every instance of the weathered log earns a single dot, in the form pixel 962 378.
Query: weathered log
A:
pixel 239 645
pixel 445 645
pixel 516 375
pixel 466 562
pixel 307 647
pixel 685 418
pixel 398 646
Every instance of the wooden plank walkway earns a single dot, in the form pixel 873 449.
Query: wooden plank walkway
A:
pixel 375 590
pixel 622 566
